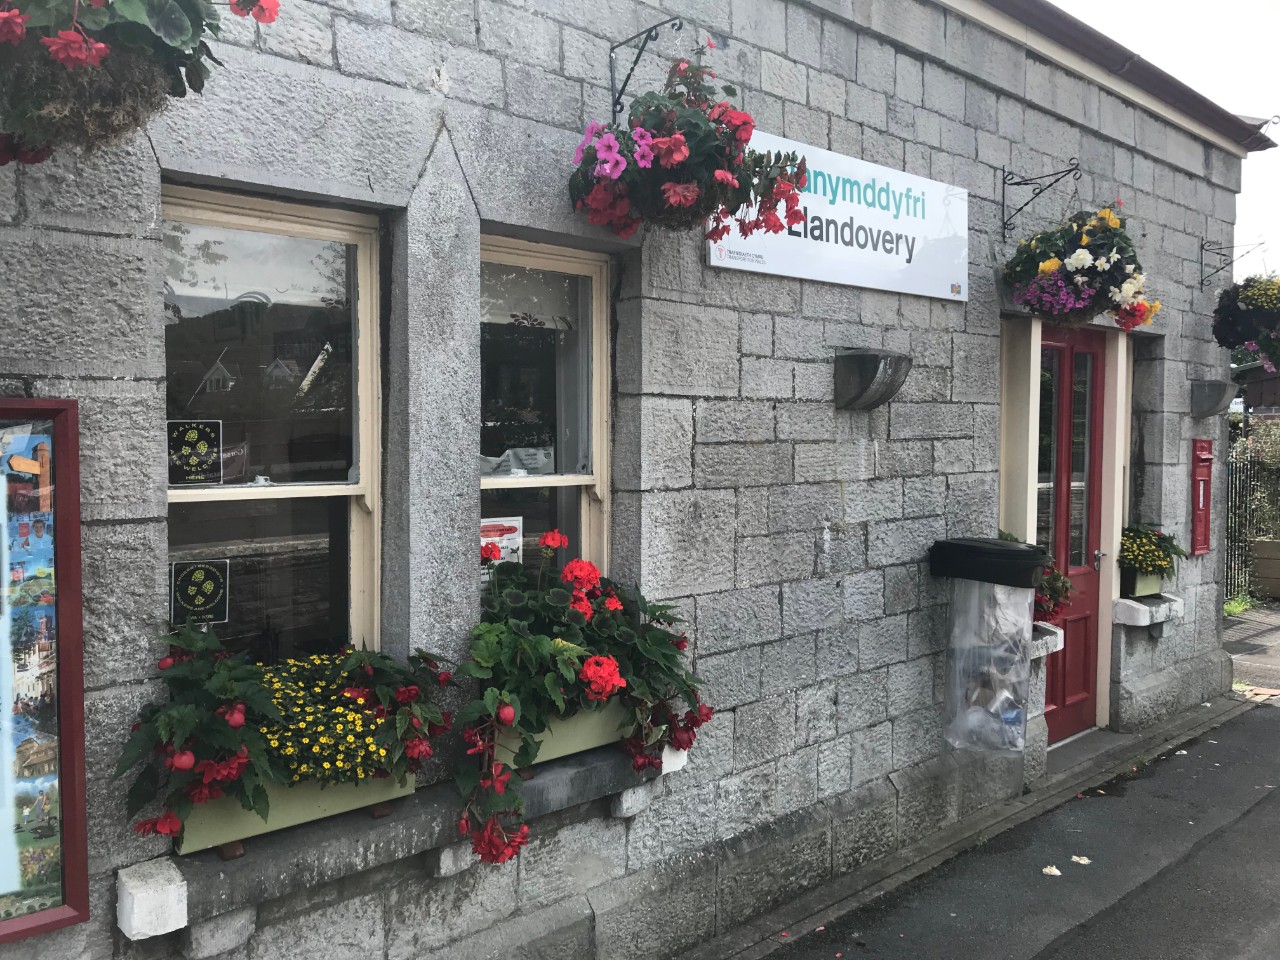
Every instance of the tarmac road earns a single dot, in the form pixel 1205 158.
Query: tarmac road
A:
pixel 1184 866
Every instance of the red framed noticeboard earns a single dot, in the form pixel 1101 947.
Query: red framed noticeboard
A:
pixel 44 880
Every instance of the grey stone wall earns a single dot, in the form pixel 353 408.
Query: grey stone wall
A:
pixel 792 535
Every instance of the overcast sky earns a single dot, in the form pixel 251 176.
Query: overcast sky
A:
pixel 1226 50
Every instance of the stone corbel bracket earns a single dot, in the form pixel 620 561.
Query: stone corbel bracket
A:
pixel 869 378
pixel 1211 397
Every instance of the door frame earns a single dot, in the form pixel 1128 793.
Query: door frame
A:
pixel 1020 342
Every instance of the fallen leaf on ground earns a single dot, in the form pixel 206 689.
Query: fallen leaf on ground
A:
pixel 820 929
pixel 1084 860
pixel 1051 871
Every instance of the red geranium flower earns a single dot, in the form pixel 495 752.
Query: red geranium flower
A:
pixel 492 844
pixel 612 603
pixel 582 604
pixel 73 49
pixel 417 748
pixel 583 574
pixel 13 26
pixel 680 194
pixel 600 674
pixel 497 779
pixel 203 792
pixel 167 824
pixel 671 151
pixel 489 552
pixel 553 540
pixel 264 11
pixel 724 176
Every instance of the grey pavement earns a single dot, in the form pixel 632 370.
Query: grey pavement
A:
pixel 1253 640
pixel 1183 858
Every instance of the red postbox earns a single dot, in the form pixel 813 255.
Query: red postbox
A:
pixel 1201 494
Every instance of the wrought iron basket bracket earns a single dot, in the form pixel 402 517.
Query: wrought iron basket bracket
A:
pixel 644 36
pixel 1223 253
pixel 1038 185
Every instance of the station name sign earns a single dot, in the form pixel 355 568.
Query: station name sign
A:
pixel 864 226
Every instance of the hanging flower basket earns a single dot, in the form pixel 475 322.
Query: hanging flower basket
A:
pixel 318 733
pixel 84 74
pixel 566 661
pixel 1248 317
pixel 681 161
pixel 1080 269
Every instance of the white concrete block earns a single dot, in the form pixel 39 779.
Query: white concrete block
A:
pixel 1145 611
pixel 451 860
pixel 634 800
pixel 1046 639
pixel 152 899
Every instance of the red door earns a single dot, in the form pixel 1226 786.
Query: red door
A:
pixel 1068 507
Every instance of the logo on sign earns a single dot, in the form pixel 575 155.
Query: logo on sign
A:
pixel 719 252
pixel 955 289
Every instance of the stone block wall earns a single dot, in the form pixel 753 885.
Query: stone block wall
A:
pixel 793 535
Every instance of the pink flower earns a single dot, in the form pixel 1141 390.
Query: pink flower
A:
pixel 724 176
pixel 73 49
pixel 611 162
pixel 711 44
pixel 644 147
pixel 13 26
pixel 594 129
pixel 1251 345
pixel 680 194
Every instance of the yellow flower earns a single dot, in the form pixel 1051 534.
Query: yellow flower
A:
pixel 1084 239
pixel 1051 265
pixel 1108 218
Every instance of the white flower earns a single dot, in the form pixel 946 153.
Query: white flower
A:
pixel 1080 260
pixel 1128 268
pixel 1081 279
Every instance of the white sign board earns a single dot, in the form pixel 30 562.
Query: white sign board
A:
pixel 864 226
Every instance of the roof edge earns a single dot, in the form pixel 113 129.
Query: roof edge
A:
pixel 1093 45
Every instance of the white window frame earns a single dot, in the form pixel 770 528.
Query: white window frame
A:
pixel 594 503
pixel 216 209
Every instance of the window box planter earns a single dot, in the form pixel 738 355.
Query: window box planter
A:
pixel 1134 584
pixel 583 731
pixel 224 820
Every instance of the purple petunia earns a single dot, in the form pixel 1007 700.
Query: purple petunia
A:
pixel 1054 294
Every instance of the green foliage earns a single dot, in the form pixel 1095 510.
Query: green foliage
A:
pixel 230 727
pixel 1148 551
pixel 1238 605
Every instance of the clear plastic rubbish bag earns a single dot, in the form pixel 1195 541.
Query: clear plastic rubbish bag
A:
pixel 988 666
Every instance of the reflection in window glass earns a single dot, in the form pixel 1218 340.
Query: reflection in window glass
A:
pixel 259 338
pixel 1047 459
pixel 534 511
pixel 535 355
pixel 286 571
pixel 1081 396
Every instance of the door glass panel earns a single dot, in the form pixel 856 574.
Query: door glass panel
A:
pixel 1081 442
pixel 1047 459
pixel 259 351
pixel 535 372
